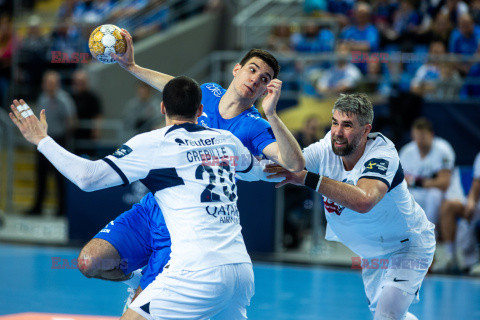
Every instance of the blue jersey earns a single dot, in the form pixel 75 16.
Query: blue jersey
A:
pixel 249 126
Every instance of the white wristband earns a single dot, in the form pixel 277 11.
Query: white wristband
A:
pixel 318 184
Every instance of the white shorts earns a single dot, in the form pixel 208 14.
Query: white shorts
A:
pixel 404 269
pixel 221 292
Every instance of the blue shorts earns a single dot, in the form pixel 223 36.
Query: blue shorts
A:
pixel 141 238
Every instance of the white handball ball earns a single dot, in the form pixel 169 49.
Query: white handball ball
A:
pixel 105 40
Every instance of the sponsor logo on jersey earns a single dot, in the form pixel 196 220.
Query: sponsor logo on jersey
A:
pixel 199 142
pixel 332 207
pixel 376 165
pixel 106 228
pixel 217 92
pixel 180 142
pixel 122 151
pixel 253 116
pixel 224 213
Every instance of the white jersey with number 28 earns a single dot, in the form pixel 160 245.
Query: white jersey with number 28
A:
pixel 191 171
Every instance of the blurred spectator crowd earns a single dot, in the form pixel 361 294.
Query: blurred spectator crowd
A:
pixel 385 47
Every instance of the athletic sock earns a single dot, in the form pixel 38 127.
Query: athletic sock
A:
pixel 134 280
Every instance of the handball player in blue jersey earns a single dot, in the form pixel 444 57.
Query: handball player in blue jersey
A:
pixel 139 237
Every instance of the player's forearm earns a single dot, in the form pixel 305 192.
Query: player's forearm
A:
pixel 347 195
pixel 289 153
pixel 360 198
pixel 86 174
pixel 155 79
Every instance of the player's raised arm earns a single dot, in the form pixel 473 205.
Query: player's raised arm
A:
pixel 155 79
pixel 86 174
pixel 286 150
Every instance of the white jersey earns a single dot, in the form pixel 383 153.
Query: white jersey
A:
pixel 191 171
pixel 396 221
pixel 441 156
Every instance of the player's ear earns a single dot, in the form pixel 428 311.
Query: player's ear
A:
pixel 235 69
pixel 368 129
pixel 200 110
pixel 162 108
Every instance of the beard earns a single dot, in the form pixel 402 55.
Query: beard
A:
pixel 346 149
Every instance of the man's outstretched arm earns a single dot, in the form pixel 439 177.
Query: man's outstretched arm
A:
pixel 360 198
pixel 86 174
pixel 155 79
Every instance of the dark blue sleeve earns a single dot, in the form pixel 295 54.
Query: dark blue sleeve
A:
pixel 261 135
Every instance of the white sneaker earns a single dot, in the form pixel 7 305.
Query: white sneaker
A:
pixel 131 294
